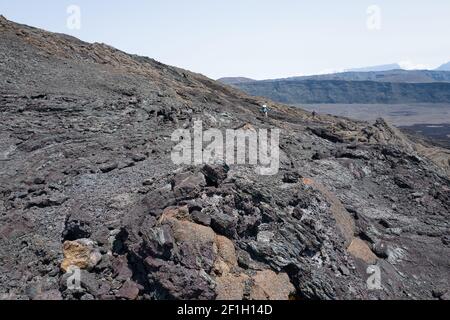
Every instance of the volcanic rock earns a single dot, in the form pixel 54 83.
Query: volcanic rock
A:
pixel 80 253
pixel 88 181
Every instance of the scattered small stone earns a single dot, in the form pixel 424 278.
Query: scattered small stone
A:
pixel 291 177
pixel 385 223
pixel 344 270
pixel 39 180
pixel 394 231
pixel 265 236
pixel 201 218
pixel 439 292
pixel 109 167
pixel 138 157
pixel 403 182
pixel 381 249
pixel 148 182
pixel 416 195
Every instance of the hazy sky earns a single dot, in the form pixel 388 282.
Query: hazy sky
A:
pixel 257 38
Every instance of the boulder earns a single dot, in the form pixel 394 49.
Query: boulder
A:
pixel 80 253
pixel 215 175
pixel 188 185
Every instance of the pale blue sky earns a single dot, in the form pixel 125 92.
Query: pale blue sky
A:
pixel 255 38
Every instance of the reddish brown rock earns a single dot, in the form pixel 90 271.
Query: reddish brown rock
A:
pixel 129 291
pixel 271 286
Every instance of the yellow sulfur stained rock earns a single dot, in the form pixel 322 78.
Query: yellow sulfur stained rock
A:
pixel 81 254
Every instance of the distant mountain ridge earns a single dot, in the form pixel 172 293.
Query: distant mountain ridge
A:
pixel 398 75
pixel 444 67
pixel 385 67
pixel 339 91
pixel 385 87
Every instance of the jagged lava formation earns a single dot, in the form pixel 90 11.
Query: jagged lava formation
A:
pixel 86 180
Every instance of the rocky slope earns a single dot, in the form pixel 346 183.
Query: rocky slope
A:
pixel 87 181
pixel 234 80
